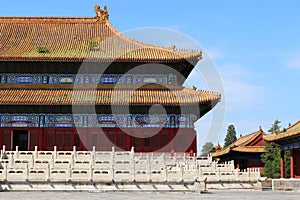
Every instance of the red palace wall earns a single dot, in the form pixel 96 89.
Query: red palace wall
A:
pixel 297 162
pixel 256 164
pixel 143 139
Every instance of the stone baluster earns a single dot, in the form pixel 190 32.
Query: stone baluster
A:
pixel 149 167
pixel 11 161
pixel 69 172
pixel 132 150
pixel 74 152
pixel 5 171
pixel 17 152
pixel 218 174
pixel 26 172
pixel 182 174
pixel 94 152
pixel 91 173
pixel 35 152
pixel 113 156
pixel 72 161
pixel 132 161
pixel 48 173
pixel 55 152
pixel 113 173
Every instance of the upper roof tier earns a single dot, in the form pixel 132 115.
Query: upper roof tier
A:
pixel 78 39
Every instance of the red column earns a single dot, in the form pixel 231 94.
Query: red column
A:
pixel 282 164
pixel 292 162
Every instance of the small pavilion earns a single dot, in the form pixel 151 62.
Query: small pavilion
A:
pixel 245 151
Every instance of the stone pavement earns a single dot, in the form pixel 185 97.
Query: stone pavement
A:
pixel 214 195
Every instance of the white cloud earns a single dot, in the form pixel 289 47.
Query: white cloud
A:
pixel 293 61
pixel 215 53
pixel 241 95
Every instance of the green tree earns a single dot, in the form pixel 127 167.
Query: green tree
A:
pixel 271 160
pixel 230 136
pixel 275 127
pixel 207 148
pixel 271 157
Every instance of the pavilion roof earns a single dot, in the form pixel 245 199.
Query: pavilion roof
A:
pixel 78 39
pixel 291 131
pixel 244 144
pixel 106 95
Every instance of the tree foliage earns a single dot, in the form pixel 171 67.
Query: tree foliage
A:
pixel 275 127
pixel 230 136
pixel 271 157
pixel 207 148
pixel 271 160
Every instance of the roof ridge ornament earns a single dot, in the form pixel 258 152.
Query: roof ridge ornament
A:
pixel 101 15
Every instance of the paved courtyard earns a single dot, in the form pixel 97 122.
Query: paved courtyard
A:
pixel 216 195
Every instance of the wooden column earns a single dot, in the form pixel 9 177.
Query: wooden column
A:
pixel 282 164
pixel 292 163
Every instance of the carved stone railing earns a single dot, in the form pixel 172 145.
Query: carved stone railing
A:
pixel 120 167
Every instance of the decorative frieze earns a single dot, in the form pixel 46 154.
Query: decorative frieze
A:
pixel 98 120
pixel 164 79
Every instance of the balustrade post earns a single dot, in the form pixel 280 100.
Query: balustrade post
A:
pixel 218 174
pixel 55 152
pixel 48 173
pixel 74 152
pixel 26 172
pixel 94 152
pixel 35 152
pixel 5 171
pixel 17 152
pixel 91 173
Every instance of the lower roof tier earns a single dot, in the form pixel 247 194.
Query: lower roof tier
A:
pixel 120 95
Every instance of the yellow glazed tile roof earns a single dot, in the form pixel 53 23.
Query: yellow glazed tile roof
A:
pixel 77 39
pixel 241 145
pixel 291 131
pixel 123 95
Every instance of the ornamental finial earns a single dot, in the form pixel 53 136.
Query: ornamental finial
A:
pixel 101 15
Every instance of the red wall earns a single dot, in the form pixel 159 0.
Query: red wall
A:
pixel 297 162
pixel 256 164
pixel 143 139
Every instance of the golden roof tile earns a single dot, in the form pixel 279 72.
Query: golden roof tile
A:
pixel 291 131
pixel 242 145
pixel 65 95
pixel 77 39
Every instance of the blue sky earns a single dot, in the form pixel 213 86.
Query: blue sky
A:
pixel 254 45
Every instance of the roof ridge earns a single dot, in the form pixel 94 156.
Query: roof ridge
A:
pixel 123 36
pixel 252 137
pixel 290 127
